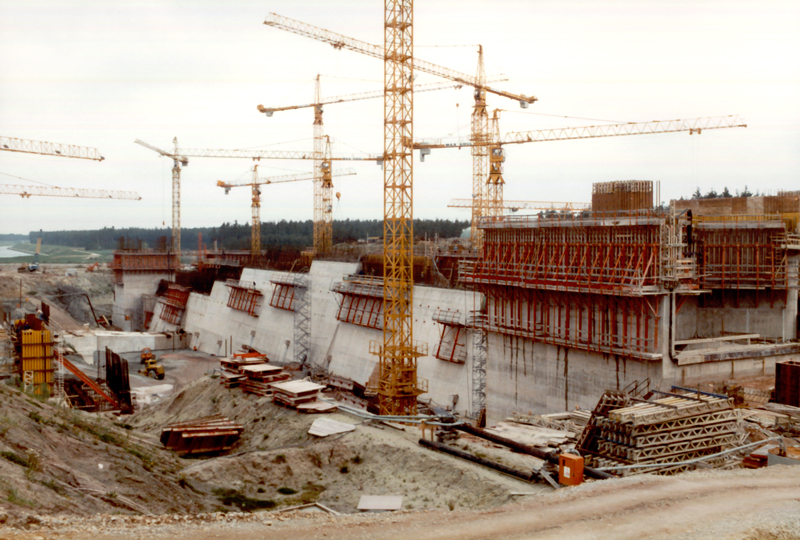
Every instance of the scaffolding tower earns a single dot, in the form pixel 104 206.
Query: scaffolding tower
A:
pixel 302 319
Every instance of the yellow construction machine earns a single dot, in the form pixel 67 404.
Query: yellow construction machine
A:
pixel 151 367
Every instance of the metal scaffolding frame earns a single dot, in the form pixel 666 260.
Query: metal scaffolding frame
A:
pixel 244 297
pixel 452 341
pixel 302 319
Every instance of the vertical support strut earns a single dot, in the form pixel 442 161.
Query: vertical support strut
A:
pixel 398 386
pixel 302 319
pixel 326 190
pixel 480 135
pixel 255 228
pixel 319 144
pixel 176 203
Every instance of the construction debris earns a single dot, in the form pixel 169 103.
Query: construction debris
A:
pixel 201 435
pixel 322 427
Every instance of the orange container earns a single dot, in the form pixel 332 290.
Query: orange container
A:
pixel 570 469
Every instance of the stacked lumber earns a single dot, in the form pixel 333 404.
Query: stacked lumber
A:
pixel 209 434
pixel 668 430
pixel 231 369
pixel 293 393
pixel 260 378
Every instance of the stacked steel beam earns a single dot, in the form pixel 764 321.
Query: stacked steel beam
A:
pixel 201 435
pixel 670 429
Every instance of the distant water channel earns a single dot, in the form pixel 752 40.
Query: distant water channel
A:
pixel 7 253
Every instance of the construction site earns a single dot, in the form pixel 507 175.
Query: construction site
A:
pixel 620 368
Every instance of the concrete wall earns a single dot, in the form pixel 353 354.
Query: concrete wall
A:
pixel 342 348
pixel 88 343
pixel 525 376
pixel 756 313
pixel 128 313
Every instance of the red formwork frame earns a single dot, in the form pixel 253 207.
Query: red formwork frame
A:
pixel 597 258
pixel 624 325
pixel 243 298
pixel 450 321
pixel 282 296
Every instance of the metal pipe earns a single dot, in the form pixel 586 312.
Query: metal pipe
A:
pixel 551 456
pixel 516 473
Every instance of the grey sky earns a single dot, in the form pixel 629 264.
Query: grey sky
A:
pixel 101 74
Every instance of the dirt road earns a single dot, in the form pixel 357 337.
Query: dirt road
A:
pixel 754 505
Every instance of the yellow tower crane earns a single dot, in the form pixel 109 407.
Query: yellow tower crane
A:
pixel 494 203
pixel 321 227
pixel 255 240
pixel 180 158
pixel 398 384
pixel 480 118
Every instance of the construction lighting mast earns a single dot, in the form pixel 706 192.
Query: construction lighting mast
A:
pixel 181 159
pixel 255 240
pixel 480 118
pixel 11 144
pixel 52 191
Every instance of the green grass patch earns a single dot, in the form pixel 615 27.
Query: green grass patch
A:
pixel 14 458
pixel 14 498
pixel 232 497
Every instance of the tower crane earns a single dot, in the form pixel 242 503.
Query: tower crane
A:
pixel 398 384
pixel 321 227
pixel 11 144
pixel 255 239
pixel 53 191
pixel 494 204
pixel 180 158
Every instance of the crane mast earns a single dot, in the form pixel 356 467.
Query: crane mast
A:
pixel 480 130
pixel 180 158
pixel 319 147
pixel 398 386
pixel 255 233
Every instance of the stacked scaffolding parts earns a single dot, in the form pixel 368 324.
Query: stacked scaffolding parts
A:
pixel 665 428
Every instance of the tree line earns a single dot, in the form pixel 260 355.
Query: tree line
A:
pixel 235 236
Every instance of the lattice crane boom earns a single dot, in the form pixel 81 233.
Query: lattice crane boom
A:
pixel 692 125
pixel 526 205
pixel 43 148
pixel 339 41
pixel 493 204
pixel 366 95
pixel 53 191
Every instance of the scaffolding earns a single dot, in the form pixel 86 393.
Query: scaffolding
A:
pixel 243 296
pixel 360 301
pixel 302 319
pixel 476 322
pixel 452 342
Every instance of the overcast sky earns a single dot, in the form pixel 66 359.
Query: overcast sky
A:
pixel 101 74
